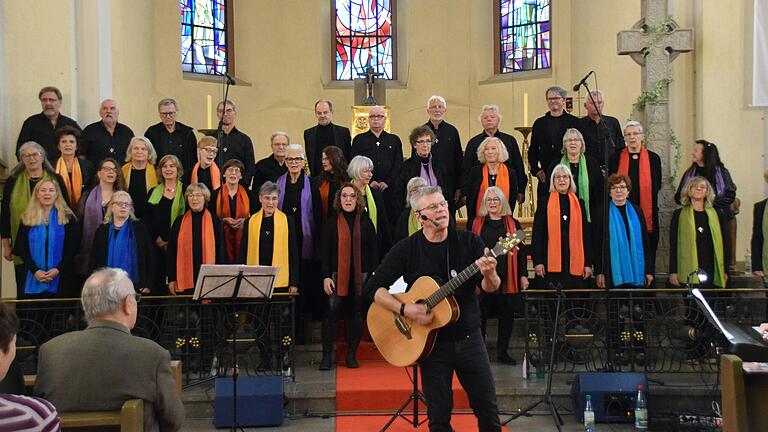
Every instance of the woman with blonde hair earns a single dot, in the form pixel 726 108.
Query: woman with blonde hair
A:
pixel 46 242
pixel 495 169
pixel 139 172
pixel 122 242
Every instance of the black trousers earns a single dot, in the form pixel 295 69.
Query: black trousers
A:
pixel 468 357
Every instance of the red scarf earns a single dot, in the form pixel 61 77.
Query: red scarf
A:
pixel 185 276
pixel 325 189
pixel 645 187
pixel 502 182
pixel 233 236
pixel 344 254
pixel 575 241
pixel 511 285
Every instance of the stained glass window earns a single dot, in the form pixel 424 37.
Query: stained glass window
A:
pixel 364 36
pixel 524 35
pixel 204 45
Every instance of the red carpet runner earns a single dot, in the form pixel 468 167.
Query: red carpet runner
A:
pixel 379 387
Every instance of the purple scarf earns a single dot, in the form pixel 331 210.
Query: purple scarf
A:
pixel 719 182
pixel 93 217
pixel 307 221
pixel 427 172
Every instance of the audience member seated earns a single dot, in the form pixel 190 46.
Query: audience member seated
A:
pixel 17 193
pixel 173 137
pixel 407 224
pixel 165 203
pixel 233 207
pixel 93 207
pixel 139 172
pixel 122 242
pixel 20 413
pixel 493 221
pixel 349 255
pixel 205 170
pixel 194 241
pixel 562 253
pixel 104 365
pixel 40 128
pixel 106 138
pixel 76 173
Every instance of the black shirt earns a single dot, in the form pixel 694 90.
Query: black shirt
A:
pixel 634 174
pixel 137 188
pixel 609 130
pixel 386 152
pixel 237 145
pixel 415 256
pixel 319 137
pixel 181 143
pixel 38 128
pixel 267 169
pixel 515 160
pixel 446 153
pixel 547 140
pixel 98 144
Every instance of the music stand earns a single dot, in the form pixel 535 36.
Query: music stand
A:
pixel 226 282
pixel 415 396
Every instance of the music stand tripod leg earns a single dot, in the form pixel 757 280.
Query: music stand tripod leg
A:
pixel 415 396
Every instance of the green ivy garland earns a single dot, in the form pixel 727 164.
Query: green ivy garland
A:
pixel 657 32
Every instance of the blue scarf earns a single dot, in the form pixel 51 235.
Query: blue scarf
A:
pixel 626 268
pixel 307 221
pixel 46 245
pixel 121 249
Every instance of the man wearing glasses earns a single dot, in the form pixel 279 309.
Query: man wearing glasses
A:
pixel 442 252
pixel 234 144
pixel 386 152
pixel 104 365
pixel 40 128
pixel 547 136
pixel 272 166
pixel 173 137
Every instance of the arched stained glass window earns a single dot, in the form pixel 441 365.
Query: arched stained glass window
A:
pixel 365 35
pixel 205 36
pixel 524 35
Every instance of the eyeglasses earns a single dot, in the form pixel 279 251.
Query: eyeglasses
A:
pixel 562 177
pixel 294 159
pixel 232 170
pixel 168 114
pixel 435 206
pixel 376 116
pixel 631 134
pixel 553 99
pixel 348 196
pixel 424 141
pixel 228 111
pixel 107 169
pixel 123 205
pixel 619 187
pixel 493 200
pixel 31 155
pixel 210 151
pixel 196 195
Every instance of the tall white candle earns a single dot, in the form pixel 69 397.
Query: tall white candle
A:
pixel 525 109
pixel 209 111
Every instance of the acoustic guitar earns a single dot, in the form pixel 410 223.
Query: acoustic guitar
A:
pixel 402 342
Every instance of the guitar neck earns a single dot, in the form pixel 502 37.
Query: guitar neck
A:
pixel 449 287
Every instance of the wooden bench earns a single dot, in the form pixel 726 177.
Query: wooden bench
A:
pixel 130 418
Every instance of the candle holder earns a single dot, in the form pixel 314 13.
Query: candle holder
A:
pixel 526 209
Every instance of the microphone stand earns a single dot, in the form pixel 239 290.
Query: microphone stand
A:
pixel 607 145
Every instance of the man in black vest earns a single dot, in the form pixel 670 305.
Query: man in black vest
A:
pixel 323 135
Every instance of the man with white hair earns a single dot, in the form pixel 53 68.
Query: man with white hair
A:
pixel 446 151
pixel 490 117
pixel 600 134
pixel 106 138
pixel 99 368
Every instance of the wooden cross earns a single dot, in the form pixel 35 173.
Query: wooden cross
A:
pixel 654 53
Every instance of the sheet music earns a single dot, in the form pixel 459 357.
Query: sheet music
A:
pixel 399 286
pixel 696 293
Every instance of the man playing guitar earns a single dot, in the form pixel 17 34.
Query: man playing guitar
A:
pixel 440 252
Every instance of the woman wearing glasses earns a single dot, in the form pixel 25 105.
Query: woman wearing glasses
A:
pixel 233 205
pixel 46 243
pixel 93 207
pixel 205 170
pixel 421 165
pixel 122 242
pixel 360 172
pixel 495 169
pixel 139 172
pixel 349 253
pixel 561 237
pixel 17 193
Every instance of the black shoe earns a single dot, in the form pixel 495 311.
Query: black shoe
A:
pixel 325 363
pixel 352 361
pixel 506 359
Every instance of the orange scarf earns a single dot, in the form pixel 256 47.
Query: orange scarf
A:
pixel 215 175
pixel 232 236
pixel 185 276
pixel 75 186
pixel 502 182
pixel 344 254
pixel 511 285
pixel 645 187
pixel 575 243
pixel 325 189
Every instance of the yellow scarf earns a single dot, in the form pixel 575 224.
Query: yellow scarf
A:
pixel 371 207
pixel 149 173
pixel 279 245
pixel 74 187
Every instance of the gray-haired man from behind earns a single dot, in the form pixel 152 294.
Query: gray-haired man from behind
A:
pixel 99 368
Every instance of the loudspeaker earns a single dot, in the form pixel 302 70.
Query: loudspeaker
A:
pixel 613 395
pixel 259 401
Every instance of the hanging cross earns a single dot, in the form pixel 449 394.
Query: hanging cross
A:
pixel 654 53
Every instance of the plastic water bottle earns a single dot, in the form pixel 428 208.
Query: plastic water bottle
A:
pixel 641 410
pixel 589 415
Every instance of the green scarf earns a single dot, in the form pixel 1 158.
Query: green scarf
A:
pixel 20 196
pixel 413 225
pixel 371 204
pixel 583 185
pixel 765 238
pixel 177 207
pixel 687 254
